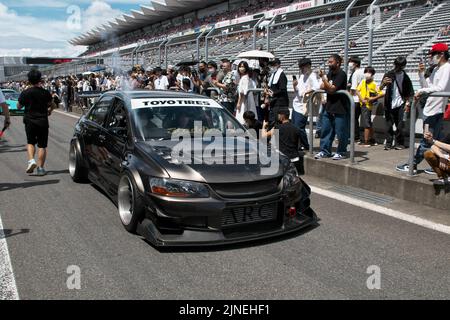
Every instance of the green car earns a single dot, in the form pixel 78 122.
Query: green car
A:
pixel 12 97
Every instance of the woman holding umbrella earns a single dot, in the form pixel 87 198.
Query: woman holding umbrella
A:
pixel 246 100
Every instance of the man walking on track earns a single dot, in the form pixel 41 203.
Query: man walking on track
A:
pixel 38 104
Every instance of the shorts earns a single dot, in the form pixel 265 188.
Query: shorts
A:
pixel 37 135
pixel 366 118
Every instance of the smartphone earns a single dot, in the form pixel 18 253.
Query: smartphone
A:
pixel 427 128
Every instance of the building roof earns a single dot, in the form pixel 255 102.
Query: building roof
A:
pixel 152 13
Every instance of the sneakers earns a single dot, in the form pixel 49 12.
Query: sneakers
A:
pixel 405 168
pixel 400 147
pixel 430 171
pixel 31 166
pixel 338 156
pixel 41 172
pixel 441 182
pixel 321 155
pixel 388 146
pixel 364 144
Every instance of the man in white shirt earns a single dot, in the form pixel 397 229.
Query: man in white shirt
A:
pixel 87 85
pixel 5 111
pixel 303 87
pixel 161 82
pixel 433 112
pixel 356 77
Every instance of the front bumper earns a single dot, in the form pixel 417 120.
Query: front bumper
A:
pixel 205 238
pixel 199 222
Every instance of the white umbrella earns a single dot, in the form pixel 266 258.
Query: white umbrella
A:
pixel 256 54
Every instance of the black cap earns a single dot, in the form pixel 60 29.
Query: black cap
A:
pixel 304 61
pixel 275 62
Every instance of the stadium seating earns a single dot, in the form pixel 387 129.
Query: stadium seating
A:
pixel 407 28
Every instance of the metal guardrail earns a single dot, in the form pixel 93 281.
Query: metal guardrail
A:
pixel 412 130
pixel 352 122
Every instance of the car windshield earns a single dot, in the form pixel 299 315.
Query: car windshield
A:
pixel 12 96
pixel 158 123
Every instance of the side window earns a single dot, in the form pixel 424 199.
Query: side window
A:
pixel 118 118
pixel 118 121
pixel 100 111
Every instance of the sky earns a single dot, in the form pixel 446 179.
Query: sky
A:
pixel 43 27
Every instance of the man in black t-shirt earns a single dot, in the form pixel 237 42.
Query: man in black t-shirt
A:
pixel 336 118
pixel 289 139
pixel 38 104
pixel 251 123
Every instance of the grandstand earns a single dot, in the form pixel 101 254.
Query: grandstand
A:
pixel 403 28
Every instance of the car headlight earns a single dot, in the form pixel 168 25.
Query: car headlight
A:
pixel 178 188
pixel 291 177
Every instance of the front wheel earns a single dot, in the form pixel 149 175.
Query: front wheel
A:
pixel 77 172
pixel 130 203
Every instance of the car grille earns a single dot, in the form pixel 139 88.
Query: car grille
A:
pixel 247 189
pixel 249 214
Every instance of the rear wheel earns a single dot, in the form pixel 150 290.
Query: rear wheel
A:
pixel 76 169
pixel 130 203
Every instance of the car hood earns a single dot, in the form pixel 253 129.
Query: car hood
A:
pixel 161 152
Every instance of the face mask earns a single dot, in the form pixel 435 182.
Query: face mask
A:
pixel 436 59
pixel 351 66
pixel 273 69
pixel 242 70
pixel 368 76
pixel 211 71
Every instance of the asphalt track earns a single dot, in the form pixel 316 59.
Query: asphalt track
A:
pixel 51 223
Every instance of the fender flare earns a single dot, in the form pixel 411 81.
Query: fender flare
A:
pixel 132 169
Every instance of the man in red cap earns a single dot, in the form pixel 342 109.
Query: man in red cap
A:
pixel 433 112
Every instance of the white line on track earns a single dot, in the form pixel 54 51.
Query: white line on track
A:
pixel 379 209
pixel 8 288
pixel 67 114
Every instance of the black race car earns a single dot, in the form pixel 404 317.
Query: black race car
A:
pixel 129 145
